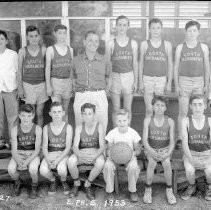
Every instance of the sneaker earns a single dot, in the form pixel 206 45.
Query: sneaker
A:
pixel 74 192
pixel 110 196
pixel 89 193
pixel 66 188
pixel 133 197
pixel 189 192
pixel 170 196
pixel 147 195
pixel 52 188
pixel 17 187
pixel 33 193
pixel 208 193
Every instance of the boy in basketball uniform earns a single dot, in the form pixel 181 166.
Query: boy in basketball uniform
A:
pixel 196 141
pixel 123 53
pixel 31 73
pixel 122 133
pixel 57 141
pixel 191 69
pixel 26 142
pixel 88 149
pixel 58 69
pixel 158 140
pixel 155 65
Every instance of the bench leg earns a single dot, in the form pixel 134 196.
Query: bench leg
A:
pixel 116 183
pixel 174 180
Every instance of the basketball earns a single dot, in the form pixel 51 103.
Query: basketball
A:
pixel 121 153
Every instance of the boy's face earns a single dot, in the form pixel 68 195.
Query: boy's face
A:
pixel 33 37
pixel 122 122
pixel 91 42
pixel 159 107
pixel 155 30
pixel 57 113
pixel 88 115
pixel 198 106
pixel 26 117
pixel 192 33
pixel 122 26
pixel 3 41
pixel 61 35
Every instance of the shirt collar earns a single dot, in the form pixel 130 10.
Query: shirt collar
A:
pixel 96 57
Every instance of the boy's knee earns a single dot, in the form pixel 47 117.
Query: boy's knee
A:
pixel 109 166
pixel 100 163
pixel 44 170
pixel 62 171
pixel 72 161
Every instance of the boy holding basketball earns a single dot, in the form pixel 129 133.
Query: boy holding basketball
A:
pixel 158 140
pixel 125 134
pixel 196 143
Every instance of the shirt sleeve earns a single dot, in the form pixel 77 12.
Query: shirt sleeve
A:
pixel 109 137
pixel 136 137
pixel 16 61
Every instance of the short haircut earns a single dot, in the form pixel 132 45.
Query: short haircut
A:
pixel 122 112
pixel 192 23
pixel 122 17
pixel 155 20
pixel 90 32
pixel 88 106
pixel 4 34
pixel 159 98
pixel 29 108
pixel 55 104
pixel 59 26
pixel 197 96
pixel 32 28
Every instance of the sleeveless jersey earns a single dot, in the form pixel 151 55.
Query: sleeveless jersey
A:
pixel 159 136
pixel 33 67
pixel 26 141
pixel 192 61
pixel 155 60
pixel 89 141
pixel 199 140
pixel 56 142
pixel 122 58
pixel 61 65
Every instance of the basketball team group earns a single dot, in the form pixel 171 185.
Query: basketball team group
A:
pixel 35 73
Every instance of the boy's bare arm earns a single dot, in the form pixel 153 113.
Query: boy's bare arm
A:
pixel 21 55
pixel 14 145
pixel 135 63
pixel 45 143
pixel 137 149
pixel 77 140
pixel 172 136
pixel 49 53
pixel 101 141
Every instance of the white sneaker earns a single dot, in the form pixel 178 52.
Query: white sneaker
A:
pixel 170 196
pixel 147 195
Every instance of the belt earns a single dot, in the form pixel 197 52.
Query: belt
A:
pixel 81 90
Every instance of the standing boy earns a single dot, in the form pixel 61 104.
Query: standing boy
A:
pixel 31 72
pixel 155 65
pixel 196 143
pixel 122 133
pixel 58 69
pixel 26 141
pixel 123 53
pixel 57 141
pixel 8 88
pixel 158 140
pixel 88 148
pixel 191 69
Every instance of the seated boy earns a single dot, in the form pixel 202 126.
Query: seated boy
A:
pixel 196 145
pixel 26 141
pixel 126 134
pixel 158 140
pixel 57 141
pixel 88 148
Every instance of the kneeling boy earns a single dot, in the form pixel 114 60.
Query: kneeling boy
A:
pixel 196 145
pixel 88 148
pixel 57 140
pixel 158 140
pixel 26 141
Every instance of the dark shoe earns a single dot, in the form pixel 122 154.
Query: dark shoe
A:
pixel 178 144
pixel 66 188
pixel 2 144
pixel 89 193
pixel 189 192
pixel 74 192
pixel 17 187
pixel 208 193
pixel 33 193
pixel 110 196
pixel 133 197
pixel 52 188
